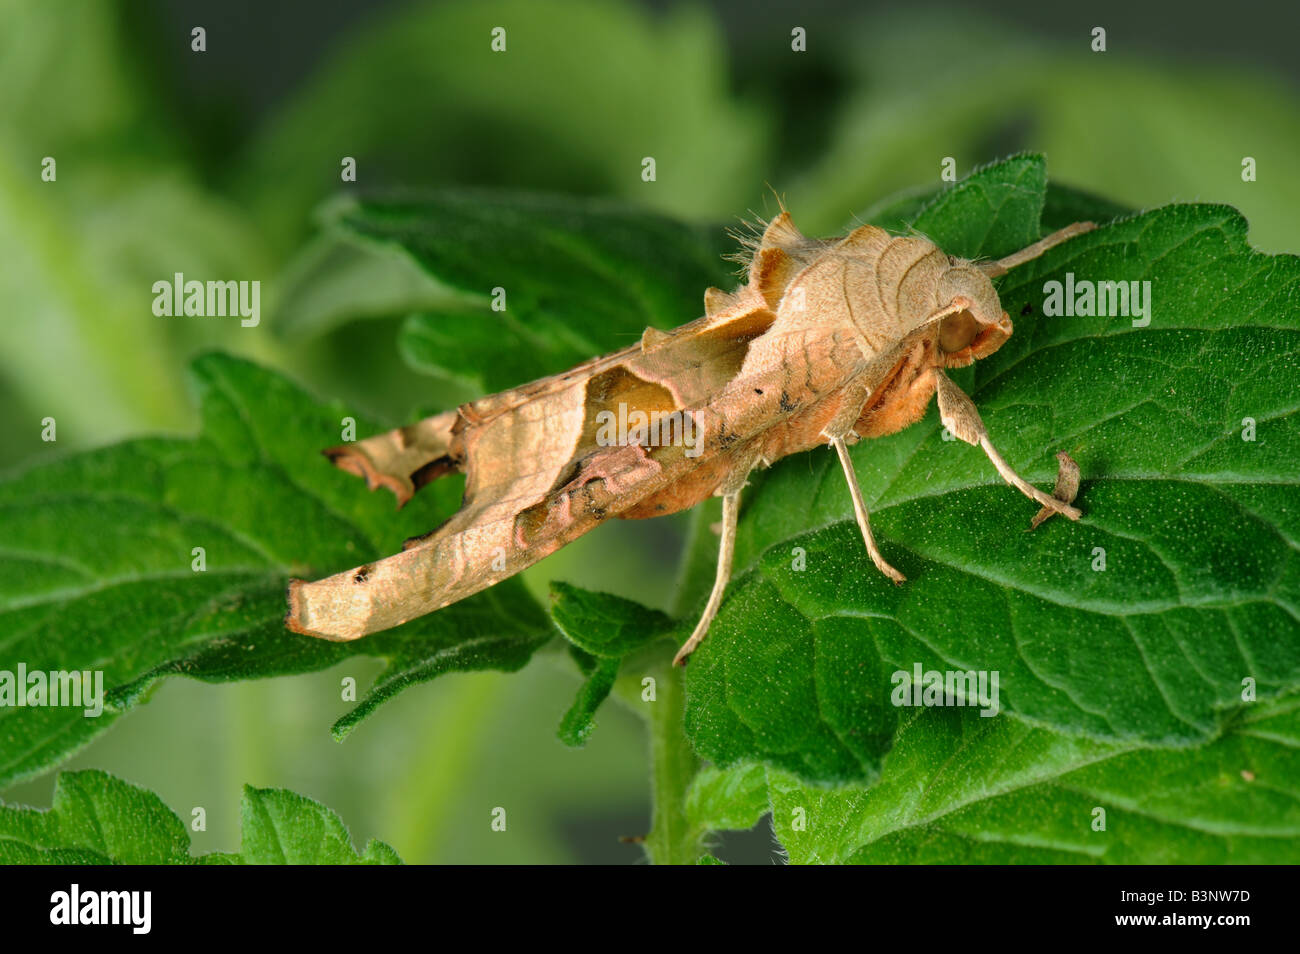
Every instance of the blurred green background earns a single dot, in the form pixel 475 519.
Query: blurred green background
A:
pixel 212 164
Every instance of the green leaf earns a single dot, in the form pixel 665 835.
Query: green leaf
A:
pixel 603 624
pixel 961 789
pixel 579 721
pixel 97 819
pixel 1202 583
pixel 992 213
pixel 579 277
pixel 1064 206
pixel 97 553
pixel 1061 206
pixel 732 799
pixel 283 828
pixel 604 629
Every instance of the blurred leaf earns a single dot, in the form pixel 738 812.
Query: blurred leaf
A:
pixel 79 255
pixel 583 92
pixel 580 277
pixel 69 79
pixel 97 819
pixel 1065 206
pixel 961 789
pixel 337 279
pixel 97 552
pixel 879 147
pixel 1182 134
pixel 1201 588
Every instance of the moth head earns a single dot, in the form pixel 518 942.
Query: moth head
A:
pixel 978 326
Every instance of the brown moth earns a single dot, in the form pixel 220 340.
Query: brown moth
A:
pixel 829 341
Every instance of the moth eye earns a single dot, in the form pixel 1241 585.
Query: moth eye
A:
pixel 957 331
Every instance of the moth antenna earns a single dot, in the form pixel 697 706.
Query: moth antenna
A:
pixel 1029 253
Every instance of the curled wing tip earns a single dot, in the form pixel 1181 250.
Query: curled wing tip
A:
pixel 300 611
pixel 354 460
pixel 293 617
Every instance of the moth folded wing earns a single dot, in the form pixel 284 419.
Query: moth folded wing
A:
pixel 481 545
pixel 407 458
pixel 536 481
pixel 513 451
pixel 539 473
pixel 441 569
pixel 537 477
pixel 403 459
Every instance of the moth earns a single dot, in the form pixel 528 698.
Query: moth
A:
pixel 828 342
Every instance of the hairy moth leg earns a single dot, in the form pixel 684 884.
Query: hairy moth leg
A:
pixel 1031 252
pixel 726 549
pixel 860 511
pixel 959 415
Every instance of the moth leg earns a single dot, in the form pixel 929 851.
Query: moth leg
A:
pixel 860 511
pixel 959 415
pixel 1067 486
pixel 1004 265
pixel 726 549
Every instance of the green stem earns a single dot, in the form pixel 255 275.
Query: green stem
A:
pixel 672 766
